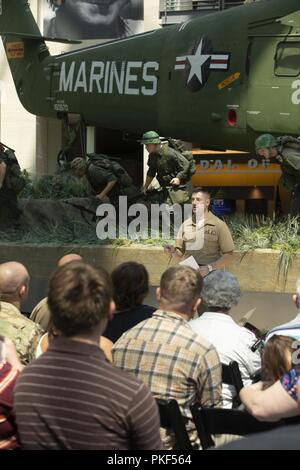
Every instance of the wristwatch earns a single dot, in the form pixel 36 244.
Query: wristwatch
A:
pixel 210 268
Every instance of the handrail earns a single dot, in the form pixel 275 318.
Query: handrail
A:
pixel 194 5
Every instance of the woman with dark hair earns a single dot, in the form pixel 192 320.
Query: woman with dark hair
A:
pixel 90 19
pixel 130 288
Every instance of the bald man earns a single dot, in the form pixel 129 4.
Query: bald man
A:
pixel 68 258
pixel 40 314
pixel 14 283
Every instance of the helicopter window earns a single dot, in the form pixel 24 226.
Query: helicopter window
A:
pixel 287 59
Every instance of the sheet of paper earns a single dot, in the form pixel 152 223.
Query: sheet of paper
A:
pixel 246 317
pixel 191 262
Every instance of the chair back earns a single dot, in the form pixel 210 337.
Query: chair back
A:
pixel 231 375
pixel 210 421
pixel 171 418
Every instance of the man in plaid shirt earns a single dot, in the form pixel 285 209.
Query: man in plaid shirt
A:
pixel 167 355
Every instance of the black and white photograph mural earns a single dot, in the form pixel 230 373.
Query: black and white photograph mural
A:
pixel 93 19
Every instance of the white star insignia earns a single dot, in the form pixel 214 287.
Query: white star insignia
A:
pixel 197 61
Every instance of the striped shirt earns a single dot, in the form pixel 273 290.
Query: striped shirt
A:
pixel 8 432
pixel 292 329
pixel 172 360
pixel 72 398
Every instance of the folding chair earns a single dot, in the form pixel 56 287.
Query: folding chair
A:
pixel 231 375
pixel 210 421
pixel 171 418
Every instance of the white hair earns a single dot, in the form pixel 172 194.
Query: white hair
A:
pixel 221 289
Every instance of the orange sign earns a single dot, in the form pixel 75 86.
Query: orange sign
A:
pixel 229 80
pixel 15 50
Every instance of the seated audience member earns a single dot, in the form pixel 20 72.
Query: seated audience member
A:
pixel 105 344
pixel 40 314
pixel 71 397
pixel 9 372
pixel 275 402
pixel 221 291
pixel 272 404
pixel 277 358
pixel 292 328
pixel 167 355
pixel 24 333
pixel 276 396
pixel 130 287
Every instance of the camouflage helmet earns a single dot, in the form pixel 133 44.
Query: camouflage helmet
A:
pixel 150 137
pixel 78 164
pixel 265 141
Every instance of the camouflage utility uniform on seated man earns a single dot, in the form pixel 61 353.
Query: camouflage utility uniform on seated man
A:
pixel 171 169
pixel 286 150
pixel 23 332
pixel 106 177
pixel 14 285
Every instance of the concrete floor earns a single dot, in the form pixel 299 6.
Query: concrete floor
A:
pixel 271 309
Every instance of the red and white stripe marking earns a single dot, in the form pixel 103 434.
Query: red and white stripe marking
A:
pixel 219 61
pixel 180 63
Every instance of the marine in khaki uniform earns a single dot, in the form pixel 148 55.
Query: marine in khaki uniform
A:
pixel 217 246
pixel 170 168
pixel 286 150
pixel 25 334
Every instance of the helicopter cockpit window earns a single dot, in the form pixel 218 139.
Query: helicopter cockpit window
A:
pixel 287 62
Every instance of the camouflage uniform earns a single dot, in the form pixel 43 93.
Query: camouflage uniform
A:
pixel 9 210
pixel 99 177
pixel 22 331
pixel 289 159
pixel 165 165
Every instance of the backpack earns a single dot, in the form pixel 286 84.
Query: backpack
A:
pixel 103 161
pixel 289 149
pixel 187 154
pixel 289 141
pixel 16 179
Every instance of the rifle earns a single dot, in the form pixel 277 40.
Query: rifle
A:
pixel 6 146
pixel 82 211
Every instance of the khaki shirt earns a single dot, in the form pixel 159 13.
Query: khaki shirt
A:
pixel 41 314
pixel 217 239
pixel 22 331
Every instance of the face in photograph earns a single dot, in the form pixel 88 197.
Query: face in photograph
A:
pixel 93 19
pixel 95 12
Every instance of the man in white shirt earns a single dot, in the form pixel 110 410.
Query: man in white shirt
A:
pixel 292 328
pixel 221 291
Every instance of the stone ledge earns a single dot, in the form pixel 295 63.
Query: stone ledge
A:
pixel 257 271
